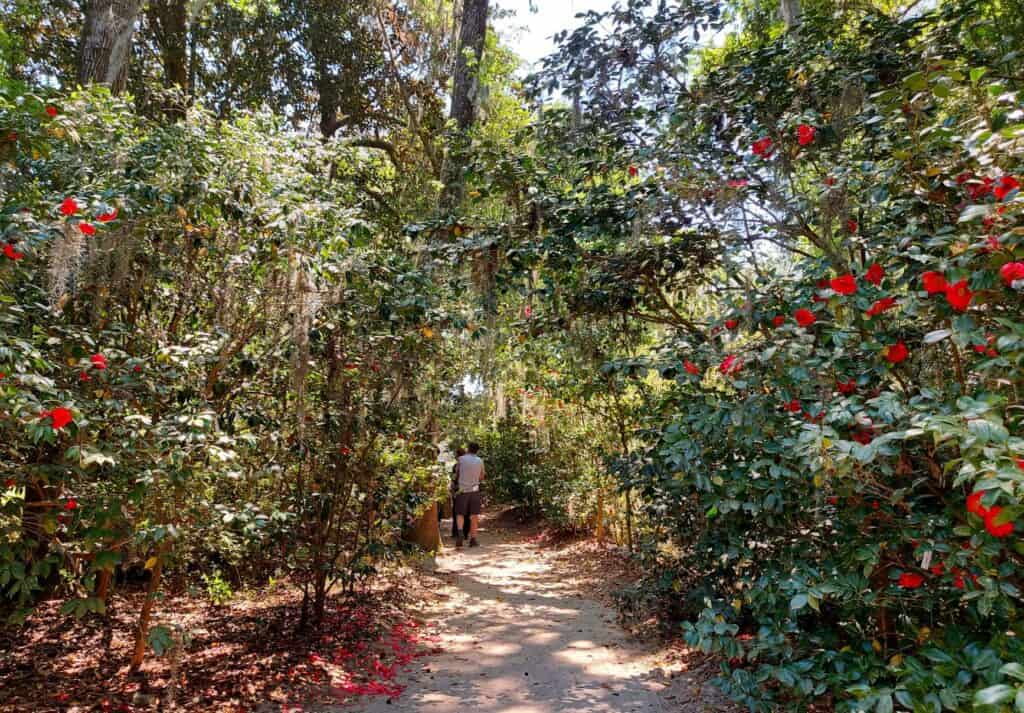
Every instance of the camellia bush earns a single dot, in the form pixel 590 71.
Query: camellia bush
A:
pixel 208 358
pixel 822 229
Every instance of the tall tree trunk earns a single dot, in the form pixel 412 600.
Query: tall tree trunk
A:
pixel 106 43
pixel 465 92
pixel 169 22
pixel 790 12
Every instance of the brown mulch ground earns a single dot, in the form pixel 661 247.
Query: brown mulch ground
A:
pixel 242 656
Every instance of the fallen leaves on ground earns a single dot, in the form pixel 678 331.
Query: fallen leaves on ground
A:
pixel 241 655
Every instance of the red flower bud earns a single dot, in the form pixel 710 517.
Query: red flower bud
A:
pixel 844 284
pixel 762 147
pixel 895 353
pixel 875 274
pixel 69 207
pixel 805 317
pixel 911 580
pixel 959 296
pixel 1005 186
pixel 1012 272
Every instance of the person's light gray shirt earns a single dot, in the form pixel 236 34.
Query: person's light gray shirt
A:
pixel 471 472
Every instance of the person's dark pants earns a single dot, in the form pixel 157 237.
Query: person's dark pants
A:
pixel 455 522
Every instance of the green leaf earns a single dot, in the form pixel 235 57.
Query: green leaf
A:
pixel 937 336
pixel 160 640
pixel 994 695
pixel 1013 670
pixel 798 602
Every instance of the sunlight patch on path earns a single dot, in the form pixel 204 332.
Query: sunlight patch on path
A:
pixel 518 639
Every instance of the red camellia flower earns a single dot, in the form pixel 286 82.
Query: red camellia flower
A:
pixel 11 253
pixel 763 147
pixel 805 317
pixel 691 367
pixel 911 580
pixel 805 134
pixel 1005 186
pixel 1012 272
pixel 978 190
pixel 731 324
pixel 994 528
pixel 934 282
pixel 864 438
pixel 875 274
pixel 87 228
pixel 895 353
pixel 71 504
pixel 851 225
pixel 964 178
pixel 886 303
pixel 974 504
pixel 83 376
pixel 847 387
pixel 830 181
pixel 633 171
pixel 137 368
pixel 778 320
pixel 107 217
pixel 793 406
pixel 844 284
pixel 345 450
pixel 937 569
pixel 730 365
pixel 69 207
pixel 738 182
pixel 99 361
pixel 51 111
pixel 59 417
pixel 958 296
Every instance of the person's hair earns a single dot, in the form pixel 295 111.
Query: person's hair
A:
pixel 460 451
pixel 473 448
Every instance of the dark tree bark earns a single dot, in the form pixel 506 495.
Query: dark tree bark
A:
pixel 466 87
pixel 169 22
pixel 106 42
pixel 465 93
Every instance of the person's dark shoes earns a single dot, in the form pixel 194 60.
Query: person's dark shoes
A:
pixel 473 542
pixel 458 543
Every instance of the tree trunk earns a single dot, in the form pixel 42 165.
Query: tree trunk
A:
pixel 169 22
pixel 106 43
pixel 425 531
pixel 146 613
pixel 790 12
pixel 465 92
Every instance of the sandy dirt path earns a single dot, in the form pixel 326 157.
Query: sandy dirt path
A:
pixel 518 638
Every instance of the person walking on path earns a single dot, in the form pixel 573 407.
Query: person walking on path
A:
pixel 453 491
pixel 467 502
